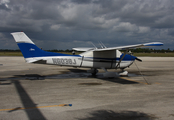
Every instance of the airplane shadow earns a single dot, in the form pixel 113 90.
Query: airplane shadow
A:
pixel 120 81
pixel 25 98
pixel 5 83
pixel 31 76
pixel 23 77
pixel 123 115
pixel 27 103
pixel 74 73
pixel 100 76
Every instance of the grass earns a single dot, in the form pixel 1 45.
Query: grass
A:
pixel 135 54
pixel 10 54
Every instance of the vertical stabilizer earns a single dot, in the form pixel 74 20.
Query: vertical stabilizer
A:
pixel 21 37
pixel 29 49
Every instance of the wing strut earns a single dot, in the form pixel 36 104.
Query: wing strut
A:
pixel 121 58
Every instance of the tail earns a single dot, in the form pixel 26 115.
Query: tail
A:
pixel 29 49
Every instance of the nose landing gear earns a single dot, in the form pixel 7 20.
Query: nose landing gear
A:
pixel 123 73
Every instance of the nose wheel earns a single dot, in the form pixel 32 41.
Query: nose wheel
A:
pixel 123 73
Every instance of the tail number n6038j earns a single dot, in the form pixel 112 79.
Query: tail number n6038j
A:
pixel 61 61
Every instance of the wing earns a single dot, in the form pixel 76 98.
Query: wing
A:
pixel 83 49
pixel 152 44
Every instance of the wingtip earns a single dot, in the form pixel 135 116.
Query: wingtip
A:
pixel 154 44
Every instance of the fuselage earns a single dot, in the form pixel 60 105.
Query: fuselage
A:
pixel 89 59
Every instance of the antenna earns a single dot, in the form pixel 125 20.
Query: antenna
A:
pixel 100 44
pixel 93 45
pixel 103 44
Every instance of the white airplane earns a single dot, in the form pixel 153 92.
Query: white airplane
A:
pixel 94 58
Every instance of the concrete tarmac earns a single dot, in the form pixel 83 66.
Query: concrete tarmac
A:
pixel 46 92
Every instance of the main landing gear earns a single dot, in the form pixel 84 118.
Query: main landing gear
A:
pixel 110 74
pixel 93 71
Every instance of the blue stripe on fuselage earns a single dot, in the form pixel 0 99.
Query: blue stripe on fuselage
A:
pixel 30 50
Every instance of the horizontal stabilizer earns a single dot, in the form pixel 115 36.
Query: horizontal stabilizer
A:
pixel 41 61
pixel 32 60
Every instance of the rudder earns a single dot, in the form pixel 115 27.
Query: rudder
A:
pixel 29 49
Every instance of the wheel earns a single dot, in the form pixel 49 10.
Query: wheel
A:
pixel 94 71
pixel 94 74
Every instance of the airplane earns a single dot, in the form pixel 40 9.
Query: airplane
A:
pixel 93 58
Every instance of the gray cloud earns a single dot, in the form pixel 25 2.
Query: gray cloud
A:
pixel 63 24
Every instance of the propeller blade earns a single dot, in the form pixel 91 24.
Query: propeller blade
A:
pixel 138 59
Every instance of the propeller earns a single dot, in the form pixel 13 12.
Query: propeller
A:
pixel 138 59
pixel 130 53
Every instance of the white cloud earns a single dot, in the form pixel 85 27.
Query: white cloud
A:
pixel 4 1
pixel 143 29
pixel 125 27
pixel 93 20
pixel 55 27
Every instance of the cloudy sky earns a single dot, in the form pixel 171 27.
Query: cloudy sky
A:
pixel 63 24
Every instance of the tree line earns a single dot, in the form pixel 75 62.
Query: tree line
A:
pixel 147 50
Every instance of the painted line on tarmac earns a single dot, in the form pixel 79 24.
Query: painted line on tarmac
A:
pixel 19 108
pixel 133 80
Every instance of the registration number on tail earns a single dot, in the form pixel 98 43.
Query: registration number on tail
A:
pixel 61 61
